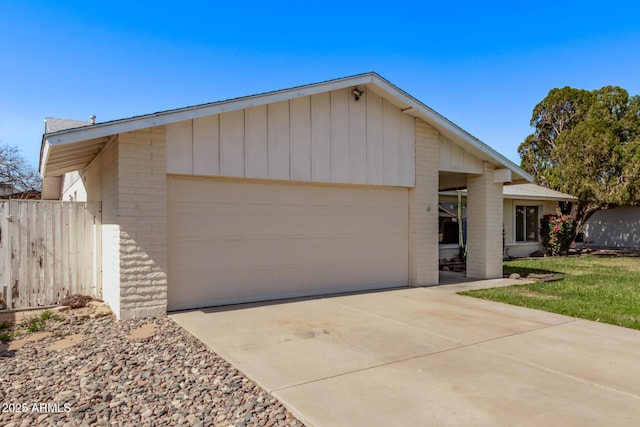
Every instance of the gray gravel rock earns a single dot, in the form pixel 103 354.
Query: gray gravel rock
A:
pixel 168 379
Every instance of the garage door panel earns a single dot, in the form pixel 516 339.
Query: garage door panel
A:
pixel 230 289
pixel 201 258
pixel 233 241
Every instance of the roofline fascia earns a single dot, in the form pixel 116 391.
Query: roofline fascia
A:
pixel 547 198
pixel 193 112
pixel 187 113
pixel 453 128
pixel 44 156
pixel 448 193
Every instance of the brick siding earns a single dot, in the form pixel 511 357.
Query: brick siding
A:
pixel 142 208
pixel 423 208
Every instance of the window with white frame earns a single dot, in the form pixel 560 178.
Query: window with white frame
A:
pixel 526 223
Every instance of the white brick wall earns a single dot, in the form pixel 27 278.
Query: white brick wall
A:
pixel 484 225
pixel 142 209
pixel 423 208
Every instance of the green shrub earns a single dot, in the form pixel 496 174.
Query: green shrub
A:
pixel 556 232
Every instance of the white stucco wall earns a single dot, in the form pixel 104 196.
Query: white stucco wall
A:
pixel 74 187
pixel 523 249
pixel 615 228
pixel 448 251
pixel 101 184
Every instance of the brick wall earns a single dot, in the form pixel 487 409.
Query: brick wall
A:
pixel 142 210
pixel 484 225
pixel 423 208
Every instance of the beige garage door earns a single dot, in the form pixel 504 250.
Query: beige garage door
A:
pixel 234 241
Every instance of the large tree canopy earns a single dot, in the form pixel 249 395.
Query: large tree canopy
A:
pixel 586 143
pixel 15 170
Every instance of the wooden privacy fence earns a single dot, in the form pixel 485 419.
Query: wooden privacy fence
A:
pixel 48 250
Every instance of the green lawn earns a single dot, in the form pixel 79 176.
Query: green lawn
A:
pixel 604 289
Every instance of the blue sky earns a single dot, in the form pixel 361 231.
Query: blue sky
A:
pixel 483 65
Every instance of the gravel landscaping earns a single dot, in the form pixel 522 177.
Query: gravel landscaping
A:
pixel 150 372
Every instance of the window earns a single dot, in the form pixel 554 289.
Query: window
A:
pixel 448 222
pixel 526 223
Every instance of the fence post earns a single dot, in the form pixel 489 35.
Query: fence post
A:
pixel 5 255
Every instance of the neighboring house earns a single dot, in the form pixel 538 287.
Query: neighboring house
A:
pixel 6 189
pixel 523 207
pixel 8 192
pixel 617 227
pixel 56 185
pixel 24 195
pixel 324 188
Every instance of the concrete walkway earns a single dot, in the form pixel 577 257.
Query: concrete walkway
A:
pixel 425 356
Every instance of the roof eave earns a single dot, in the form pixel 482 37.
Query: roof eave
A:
pixel 432 117
pixel 449 193
pixel 548 198
pixel 187 113
pixel 44 156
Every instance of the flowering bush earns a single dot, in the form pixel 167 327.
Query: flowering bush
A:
pixel 556 231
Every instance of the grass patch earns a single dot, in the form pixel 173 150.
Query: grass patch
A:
pixel 5 325
pixel 9 331
pixel 37 324
pixel 594 288
pixel 48 315
pixel 7 336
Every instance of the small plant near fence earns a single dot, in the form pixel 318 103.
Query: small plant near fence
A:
pixel 556 232
pixel 6 333
pixel 37 324
pixel 9 332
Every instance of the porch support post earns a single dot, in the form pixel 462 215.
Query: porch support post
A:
pixel 484 225
pixel 423 209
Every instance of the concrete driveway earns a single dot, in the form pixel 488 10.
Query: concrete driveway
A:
pixel 425 356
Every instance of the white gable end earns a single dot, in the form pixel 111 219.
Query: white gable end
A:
pixel 326 137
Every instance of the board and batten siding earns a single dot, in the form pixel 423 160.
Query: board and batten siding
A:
pixel 454 158
pixel 327 137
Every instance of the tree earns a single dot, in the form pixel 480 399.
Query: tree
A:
pixel 586 143
pixel 15 170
